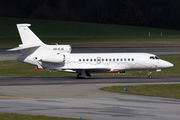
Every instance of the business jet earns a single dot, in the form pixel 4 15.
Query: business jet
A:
pixel 60 58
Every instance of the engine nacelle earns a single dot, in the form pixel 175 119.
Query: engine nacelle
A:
pixel 54 58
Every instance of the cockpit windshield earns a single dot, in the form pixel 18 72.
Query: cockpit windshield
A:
pixel 157 57
pixel 154 57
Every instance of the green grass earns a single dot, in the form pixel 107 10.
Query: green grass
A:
pixel 12 116
pixel 63 28
pixel 65 40
pixel 167 90
pixel 19 69
pixel 52 32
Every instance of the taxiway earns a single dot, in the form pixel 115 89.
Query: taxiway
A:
pixel 74 98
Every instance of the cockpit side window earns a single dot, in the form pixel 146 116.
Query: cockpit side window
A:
pixel 152 57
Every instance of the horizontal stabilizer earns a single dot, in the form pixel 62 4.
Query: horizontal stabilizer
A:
pixel 21 47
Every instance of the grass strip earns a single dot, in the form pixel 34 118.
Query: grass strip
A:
pixel 66 28
pixel 80 34
pixel 12 116
pixel 166 90
pixel 19 69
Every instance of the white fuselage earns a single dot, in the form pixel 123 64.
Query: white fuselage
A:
pixel 60 58
pixel 47 57
pixel 115 61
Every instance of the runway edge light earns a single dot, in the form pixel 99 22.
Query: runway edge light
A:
pixel 126 89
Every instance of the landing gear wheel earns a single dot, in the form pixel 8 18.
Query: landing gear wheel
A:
pixel 149 76
pixel 78 76
pixel 82 74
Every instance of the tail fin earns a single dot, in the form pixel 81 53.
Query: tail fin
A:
pixel 27 36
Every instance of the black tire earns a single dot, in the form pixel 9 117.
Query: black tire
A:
pixel 149 76
pixel 78 76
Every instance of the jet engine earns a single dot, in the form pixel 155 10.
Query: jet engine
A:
pixel 54 58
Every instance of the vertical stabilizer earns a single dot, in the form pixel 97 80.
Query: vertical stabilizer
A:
pixel 27 36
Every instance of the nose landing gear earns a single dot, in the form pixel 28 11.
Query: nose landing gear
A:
pixel 149 74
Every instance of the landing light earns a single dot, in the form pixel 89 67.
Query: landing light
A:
pixel 158 70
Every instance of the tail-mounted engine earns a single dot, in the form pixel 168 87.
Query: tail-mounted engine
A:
pixel 54 58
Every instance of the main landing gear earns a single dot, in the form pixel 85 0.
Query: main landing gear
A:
pixel 149 74
pixel 83 74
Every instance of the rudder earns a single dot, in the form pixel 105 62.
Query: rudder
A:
pixel 27 36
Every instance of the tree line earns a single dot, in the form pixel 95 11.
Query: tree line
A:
pixel 148 13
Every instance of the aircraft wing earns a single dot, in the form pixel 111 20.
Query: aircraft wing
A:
pixel 90 70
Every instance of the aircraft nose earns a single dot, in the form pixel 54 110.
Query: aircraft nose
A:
pixel 165 64
pixel 168 64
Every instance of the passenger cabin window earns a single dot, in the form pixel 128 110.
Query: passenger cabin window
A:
pixel 102 59
pixel 79 60
pixel 91 60
pixel 117 59
pixel 94 59
pixel 132 59
pixel 106 59
pixel 128 59
pixel 113 59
